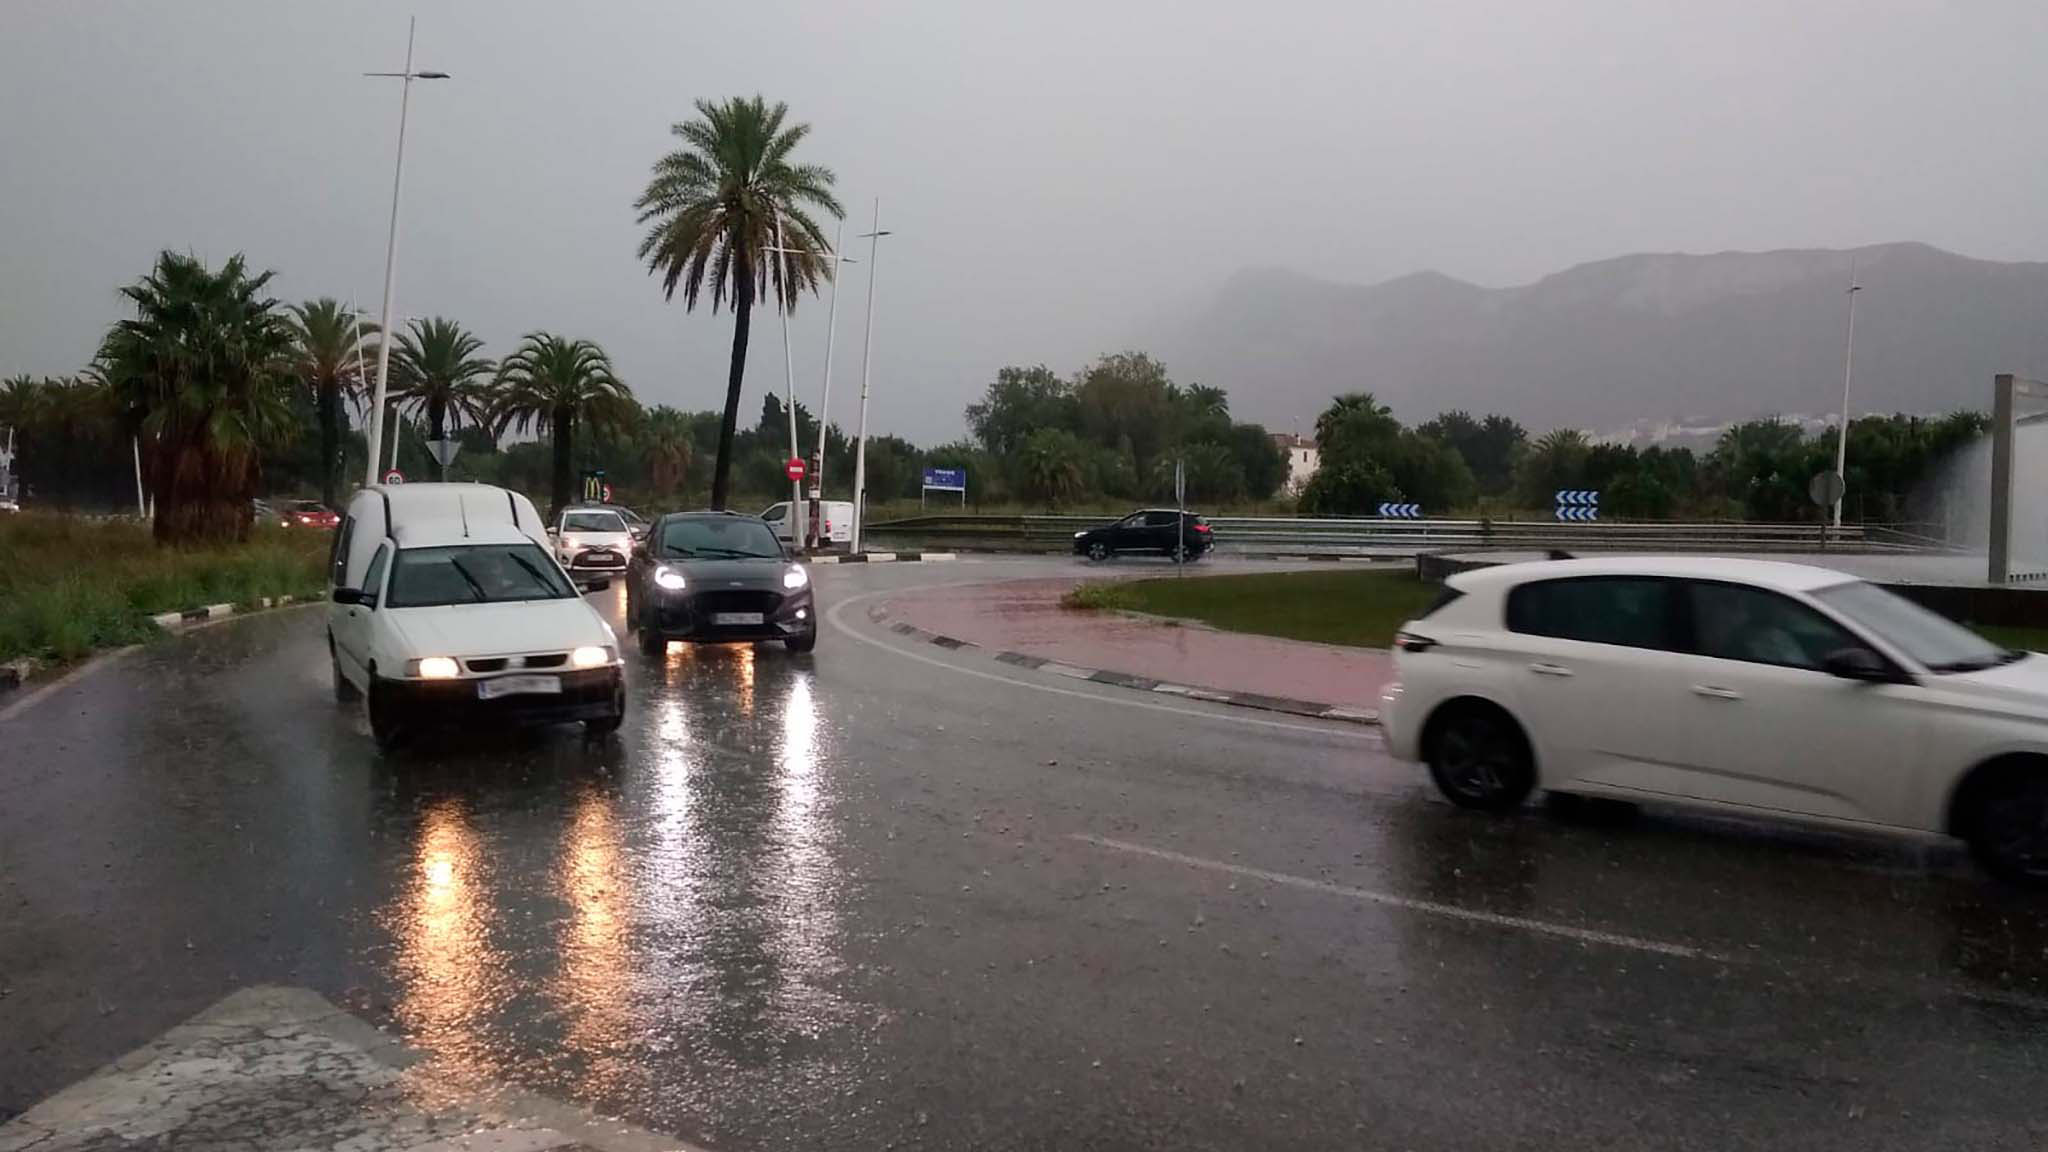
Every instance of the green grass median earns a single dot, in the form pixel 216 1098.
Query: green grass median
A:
pixel 70 586
pixel 1359 607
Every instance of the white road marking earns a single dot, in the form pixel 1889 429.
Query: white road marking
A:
pixel 1411 904
pixel 1338 729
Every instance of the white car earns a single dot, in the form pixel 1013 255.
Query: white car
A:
pixel 593 544
pixel 1743 686
pixel 446 608
pixel 835 521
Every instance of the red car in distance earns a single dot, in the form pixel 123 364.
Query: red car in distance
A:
pixel 308 514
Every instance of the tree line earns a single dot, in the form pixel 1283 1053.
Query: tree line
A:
pixel 1757 470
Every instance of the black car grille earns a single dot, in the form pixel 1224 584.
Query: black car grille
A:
pixel 736 601
pixel 500 663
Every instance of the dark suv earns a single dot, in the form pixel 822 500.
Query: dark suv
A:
pixel 1160 530
pixel 717 577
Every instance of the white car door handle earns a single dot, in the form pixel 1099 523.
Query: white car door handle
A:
pixel 1542 669
pixel 1716 692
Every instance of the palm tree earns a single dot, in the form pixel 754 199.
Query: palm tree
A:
pixel 715 205
pixel 20 398
pixel 1051 463
pixel 550 384
pixel 668 450
pixel 328 349
pixel 441 375
pixel 203 365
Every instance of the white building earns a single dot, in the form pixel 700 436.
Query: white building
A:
pixel 1302 459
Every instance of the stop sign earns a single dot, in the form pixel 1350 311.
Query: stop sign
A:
pixel 795 468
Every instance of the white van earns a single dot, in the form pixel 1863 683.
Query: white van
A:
pixel 446 606
pixel 836 525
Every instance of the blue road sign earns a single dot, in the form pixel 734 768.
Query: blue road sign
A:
pixel 1578 512
pixel 1572 496
pixel 946 479
pixel 1395 511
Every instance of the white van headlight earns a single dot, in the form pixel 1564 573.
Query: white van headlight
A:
pixel 669 578
pixel 433 668
pixel 796 577
pixel 590 656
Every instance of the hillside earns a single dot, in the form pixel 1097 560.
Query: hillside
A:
pixel 1643 337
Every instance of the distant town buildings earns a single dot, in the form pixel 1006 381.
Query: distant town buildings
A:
pixel 1302 458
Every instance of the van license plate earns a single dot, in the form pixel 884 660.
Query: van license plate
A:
pixel 518 686
pixel 728 619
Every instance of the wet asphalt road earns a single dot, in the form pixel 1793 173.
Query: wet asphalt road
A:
pixel 890 895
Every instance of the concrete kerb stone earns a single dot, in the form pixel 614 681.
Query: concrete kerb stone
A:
pixel 884 558
pixel 1313 709
pixel 15 673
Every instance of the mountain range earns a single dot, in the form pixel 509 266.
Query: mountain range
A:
pixel 1684 339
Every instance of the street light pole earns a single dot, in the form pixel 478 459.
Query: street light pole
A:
pixel 1848 372
pixel 782 297
pixel 831 331
pixel 867 363
pixel 391 248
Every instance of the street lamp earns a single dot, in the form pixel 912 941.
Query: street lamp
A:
pixel 867 362
pixel 784 294
pixel 1848 371
pixel 831 330
pixel 391 245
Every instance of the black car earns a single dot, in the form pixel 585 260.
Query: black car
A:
pixel 717 577
pixel 1161 530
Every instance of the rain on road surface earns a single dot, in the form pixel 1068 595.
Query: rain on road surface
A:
pixel 894 895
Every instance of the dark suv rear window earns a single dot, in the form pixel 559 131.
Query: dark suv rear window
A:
pixel 1627 611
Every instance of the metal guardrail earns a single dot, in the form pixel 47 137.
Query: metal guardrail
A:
pixel 1369 536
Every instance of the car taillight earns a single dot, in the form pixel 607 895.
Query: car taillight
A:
pixel 1201 527
pixel 1413 642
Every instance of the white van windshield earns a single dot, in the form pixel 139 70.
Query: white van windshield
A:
pixel 474 574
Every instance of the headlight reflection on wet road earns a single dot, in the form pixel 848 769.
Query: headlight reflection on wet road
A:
pixel 688 899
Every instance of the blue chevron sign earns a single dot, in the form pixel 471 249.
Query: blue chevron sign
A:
pixel 1572 496
pixel 1577 512
pixel 1394 511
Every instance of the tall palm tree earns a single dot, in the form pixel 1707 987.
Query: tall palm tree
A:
pixel 667 435
pixel 204 364
pixel 441 376
pixel 329 346
pixel 714 206
pixel 552 383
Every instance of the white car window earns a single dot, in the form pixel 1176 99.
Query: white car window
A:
pixel 1737 622
pixel 1627 611
pixel 593 522
pixel 373 577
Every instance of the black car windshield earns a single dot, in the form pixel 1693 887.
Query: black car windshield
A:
pixel 474 574
pixel 592 522
pixel 719 538
pixel 1936 642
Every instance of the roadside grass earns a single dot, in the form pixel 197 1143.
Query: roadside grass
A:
pixel 70 586
pixel 1358 607
pixel 1351 606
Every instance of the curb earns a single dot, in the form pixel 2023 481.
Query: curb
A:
pixel 1308 708
pixel 886 558
pixel 173 621
pixel 15 673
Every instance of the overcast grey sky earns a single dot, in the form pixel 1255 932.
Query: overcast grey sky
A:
pixel 1059 175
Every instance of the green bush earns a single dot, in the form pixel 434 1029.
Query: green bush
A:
pixel 69 586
